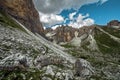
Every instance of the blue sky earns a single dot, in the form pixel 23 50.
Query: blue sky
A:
pixel 77 13
pixel 101 13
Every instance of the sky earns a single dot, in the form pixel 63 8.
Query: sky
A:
pixel 77 13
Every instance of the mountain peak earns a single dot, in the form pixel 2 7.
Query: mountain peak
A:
pixel 114 24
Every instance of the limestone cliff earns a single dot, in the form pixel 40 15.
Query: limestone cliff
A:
pixel 25 12
pixel 66 33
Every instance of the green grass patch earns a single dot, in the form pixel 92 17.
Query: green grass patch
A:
pixel 112 31
pixel 21 75
pixel 107 44
pixel 67 46
pixel 7 21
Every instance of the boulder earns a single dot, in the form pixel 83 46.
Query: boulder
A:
pixel 83 68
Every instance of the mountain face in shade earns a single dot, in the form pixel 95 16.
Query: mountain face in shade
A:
pixel 25 12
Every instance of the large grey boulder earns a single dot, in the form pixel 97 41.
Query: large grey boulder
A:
pixel 83 68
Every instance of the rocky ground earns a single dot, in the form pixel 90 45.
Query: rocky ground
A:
pixel 25 56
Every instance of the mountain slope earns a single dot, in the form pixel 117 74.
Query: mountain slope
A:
pixel 100 46
pixel 24 55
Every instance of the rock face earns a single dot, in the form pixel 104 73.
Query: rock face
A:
pixel 61 34
pixel 66 33
pixel 25 12
pixel 83 68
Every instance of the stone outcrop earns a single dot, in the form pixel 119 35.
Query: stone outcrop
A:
pixel 83 68
pixel 61 34
pixel 23 11
pixel 67 33
pixel 64 34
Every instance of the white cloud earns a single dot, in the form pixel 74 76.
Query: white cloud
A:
pixel 50 19
pixel 71 16
pixel 77 22
pixel 81 17
pixel 81 21
pixel 54 27
pixel 56 6
pixel 103 1
pixel 88 22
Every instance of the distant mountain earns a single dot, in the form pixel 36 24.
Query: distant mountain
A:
pixel 114 24
pixel 67 33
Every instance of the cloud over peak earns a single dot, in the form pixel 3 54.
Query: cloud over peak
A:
pixel 81 20
pixel 50 19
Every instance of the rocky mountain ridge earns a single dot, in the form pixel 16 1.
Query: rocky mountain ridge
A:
pixel 67 33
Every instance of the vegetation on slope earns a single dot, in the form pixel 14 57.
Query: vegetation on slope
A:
pixel 112 31
pixel 6 19
pixel 107 44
